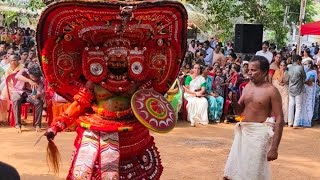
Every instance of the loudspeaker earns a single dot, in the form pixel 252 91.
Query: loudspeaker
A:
pixel 248 38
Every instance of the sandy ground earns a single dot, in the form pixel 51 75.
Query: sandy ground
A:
pixel 187 153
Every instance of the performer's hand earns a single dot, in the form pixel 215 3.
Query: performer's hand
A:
pixel 51 133
pixel 272 155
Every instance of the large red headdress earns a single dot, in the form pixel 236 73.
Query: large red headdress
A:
pixel 117 44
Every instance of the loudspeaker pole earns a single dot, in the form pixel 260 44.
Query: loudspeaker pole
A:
pixel 301 17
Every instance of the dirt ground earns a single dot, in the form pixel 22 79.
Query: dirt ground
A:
pixel 187 153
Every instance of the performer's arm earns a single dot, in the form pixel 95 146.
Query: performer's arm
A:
pixel 276 104
pixel 82 100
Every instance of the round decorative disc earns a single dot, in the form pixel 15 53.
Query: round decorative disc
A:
pixel 136 67
pixel 96 69
pixel 153 110
pixel 65 62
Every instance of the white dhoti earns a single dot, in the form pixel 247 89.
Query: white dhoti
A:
pixel 248 156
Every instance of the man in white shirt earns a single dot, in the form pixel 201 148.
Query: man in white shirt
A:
pixel 265 51
pixel 209 53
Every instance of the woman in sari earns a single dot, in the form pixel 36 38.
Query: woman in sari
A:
pixel 274 66
pixel 306 56
pixel 215 100
pixel 280 81
pixel 197 106
pixel 309 95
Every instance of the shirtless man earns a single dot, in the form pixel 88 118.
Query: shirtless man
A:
pixel 255 143
pixel 218 57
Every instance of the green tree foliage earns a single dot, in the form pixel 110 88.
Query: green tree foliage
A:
pixel 10 17
pixel 15 15
pixel 35 5
pixel 220 14
pixel 223 15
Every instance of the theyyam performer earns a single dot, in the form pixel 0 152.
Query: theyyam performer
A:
pixel 113 60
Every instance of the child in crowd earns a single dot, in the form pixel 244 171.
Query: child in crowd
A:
pixel 234 77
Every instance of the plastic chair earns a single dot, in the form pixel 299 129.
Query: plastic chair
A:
pixel 24 106
pixel 184 111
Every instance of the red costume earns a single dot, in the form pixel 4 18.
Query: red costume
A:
pixel 114 60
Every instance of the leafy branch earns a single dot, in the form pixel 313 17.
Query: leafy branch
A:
pixel 10 17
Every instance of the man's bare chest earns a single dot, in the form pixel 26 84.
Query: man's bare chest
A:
pixel 257 99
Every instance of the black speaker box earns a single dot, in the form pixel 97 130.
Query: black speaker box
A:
pixel 248 38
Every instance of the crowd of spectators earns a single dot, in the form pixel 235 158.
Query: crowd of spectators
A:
pixel 212 74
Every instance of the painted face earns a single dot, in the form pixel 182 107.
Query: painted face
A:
pixel 255 74
pixel 117 64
